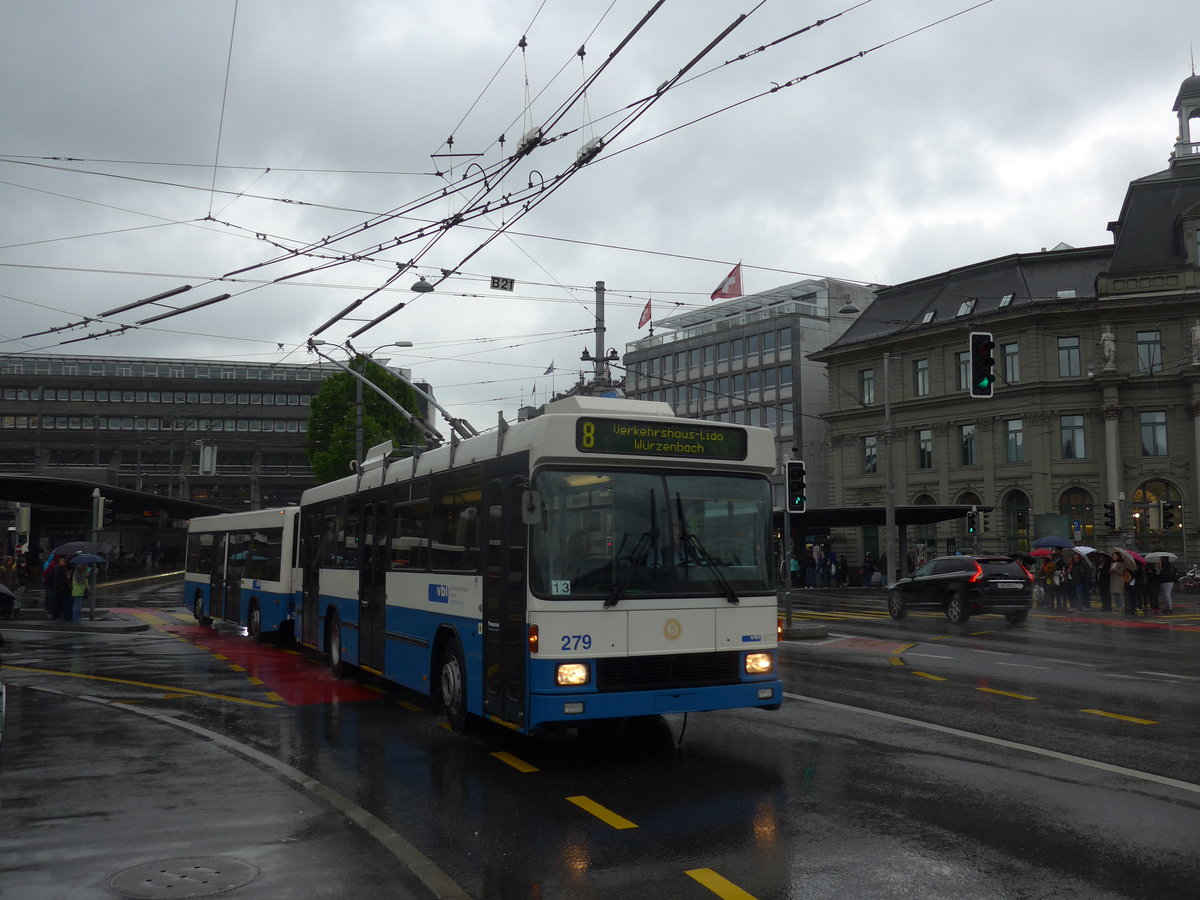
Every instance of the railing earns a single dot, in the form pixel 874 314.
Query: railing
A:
pixel 1184 150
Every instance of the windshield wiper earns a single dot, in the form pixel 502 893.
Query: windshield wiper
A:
pixel 692 543
pixel 649 539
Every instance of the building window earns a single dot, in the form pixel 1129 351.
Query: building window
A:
pixel 1149 352
pixel 967 438
pixel 1012 363
pixel 1006 300
pixel 962 368
pixel 1014 441
pixel 1068 357
pixel 866 385
pixel 1073 446
pixel 870 455
pixel 928 317
pixel 924 448
pixel 785 338
pixel 921 377
pixel 966 307
pixel 1154 434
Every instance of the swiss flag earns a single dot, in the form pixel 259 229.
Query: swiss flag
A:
pixel 645 315
pixel 731 287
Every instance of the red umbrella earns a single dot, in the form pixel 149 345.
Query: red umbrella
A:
pixel 1042 551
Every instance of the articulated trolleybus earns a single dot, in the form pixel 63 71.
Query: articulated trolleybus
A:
pixel 241 569
pixel 604 559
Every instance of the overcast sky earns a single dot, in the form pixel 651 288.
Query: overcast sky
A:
pixel 146 145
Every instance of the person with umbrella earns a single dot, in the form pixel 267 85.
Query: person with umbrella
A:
pixel 1167 576
pixel 80 572
pixel 1118 575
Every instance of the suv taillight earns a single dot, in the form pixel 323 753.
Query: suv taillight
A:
pixel 978 576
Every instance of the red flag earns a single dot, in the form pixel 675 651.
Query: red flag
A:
pixel 731 287
pixel 645 315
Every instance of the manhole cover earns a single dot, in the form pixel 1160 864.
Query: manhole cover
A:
pixel 193 877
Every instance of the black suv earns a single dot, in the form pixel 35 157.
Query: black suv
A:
pixel 963 586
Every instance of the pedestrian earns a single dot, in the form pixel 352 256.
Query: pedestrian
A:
pixel 9 577
pixel 1150 589
pixel 1168 575
pixel 58 588
pixel 833 566
pixel 794 569
pixel 818 557
pixel 80 588
pixel 1079 583
pixel 1102 584
pixel 868 571
pixel 1118 576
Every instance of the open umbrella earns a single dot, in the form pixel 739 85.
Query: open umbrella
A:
pixel 85 558
pixel 1083 550
pixel 72 547
pixel 1079 551
pixel 1051 540
pixel 1041 551
pixel 1130 558
pixel 1023 555
pixel 1159 555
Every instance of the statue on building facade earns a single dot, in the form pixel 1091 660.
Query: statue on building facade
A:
pixel 1196 343
pixel 1108 349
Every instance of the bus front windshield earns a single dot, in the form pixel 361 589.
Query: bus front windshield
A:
pixel 615 534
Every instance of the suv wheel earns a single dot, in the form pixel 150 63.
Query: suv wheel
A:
pixel 956 609
pixel 896 608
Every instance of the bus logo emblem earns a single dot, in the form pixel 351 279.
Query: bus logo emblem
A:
pixel 439 593
pixel 672 629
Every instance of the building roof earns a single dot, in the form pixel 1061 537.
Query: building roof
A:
pixel 803 291
pixel 1063 275
pixel 1146 231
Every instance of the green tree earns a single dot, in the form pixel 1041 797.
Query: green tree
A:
pixel 332 418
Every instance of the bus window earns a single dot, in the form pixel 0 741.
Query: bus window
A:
pixel 454 526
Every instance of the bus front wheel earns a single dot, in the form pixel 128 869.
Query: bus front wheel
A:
pixel 454 686
pixel 254 623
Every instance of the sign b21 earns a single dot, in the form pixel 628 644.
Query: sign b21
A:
pixel 500 283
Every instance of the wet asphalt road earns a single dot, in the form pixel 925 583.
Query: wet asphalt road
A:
pixel 913 759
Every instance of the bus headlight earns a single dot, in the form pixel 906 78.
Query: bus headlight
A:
pixel 571 674
pixel 759 663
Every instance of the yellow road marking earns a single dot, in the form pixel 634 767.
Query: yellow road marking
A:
pixel 184 617
pixel 236 667
pixel 255 681
pixel 220 656
pixel 976 633
pixel 602 813
pixel 896 660
pixel 271 695
pixel 930 677
pixel 411 707
pixel 718 884
pixel 152 619
pixel 988 690
pixel 1136 721
pixel 143 684
pixel 943 637
pixel 519 764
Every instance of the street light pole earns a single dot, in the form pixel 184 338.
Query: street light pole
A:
pixel 889 516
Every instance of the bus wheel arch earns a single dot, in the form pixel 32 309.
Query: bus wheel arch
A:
pixel 254 621
pixel 198 610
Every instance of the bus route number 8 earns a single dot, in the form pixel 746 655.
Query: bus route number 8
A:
pixel 588 440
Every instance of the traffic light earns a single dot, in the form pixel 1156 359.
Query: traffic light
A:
pixel 1111 513
pixel 972 521
pixel 982 362
pixel 986 524
pixel 1168 515
pixel 105 513
pixel 797 491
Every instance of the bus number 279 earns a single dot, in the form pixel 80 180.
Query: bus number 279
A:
pixel 577 642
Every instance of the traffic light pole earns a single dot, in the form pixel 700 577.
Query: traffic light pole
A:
pixel 889 516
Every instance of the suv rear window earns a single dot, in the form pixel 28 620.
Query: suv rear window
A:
pixel 1002 567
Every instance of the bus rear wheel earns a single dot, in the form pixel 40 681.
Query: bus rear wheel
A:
pixel 254 623
pixel 198 611
pixel 333 648
pixel 454 686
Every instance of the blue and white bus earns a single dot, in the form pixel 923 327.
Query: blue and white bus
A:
pixel 602 560
pixel 241 569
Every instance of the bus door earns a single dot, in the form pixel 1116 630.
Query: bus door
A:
pixel 504 644
pixel 372 593
pixel 216 576
pixel 237 548
pixel 311 549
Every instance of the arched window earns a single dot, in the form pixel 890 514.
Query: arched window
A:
pixel 1145 512
pixel 1076 504
pixel 926 531
pixel 1016 534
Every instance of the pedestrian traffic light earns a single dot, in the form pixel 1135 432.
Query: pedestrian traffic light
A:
pixel 797 491
pixel 986 524
pixel 108 514
pixel 1168 515
pixel 982 362
pixel 1111 513
pixel 972 521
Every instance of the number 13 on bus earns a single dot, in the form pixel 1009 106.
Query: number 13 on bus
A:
pixel 604 559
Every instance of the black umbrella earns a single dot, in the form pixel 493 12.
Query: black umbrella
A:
pixel 72 547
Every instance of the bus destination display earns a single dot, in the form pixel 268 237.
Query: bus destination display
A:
pixel 701 441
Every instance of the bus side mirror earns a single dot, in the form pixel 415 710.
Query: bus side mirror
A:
pixel 531 507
